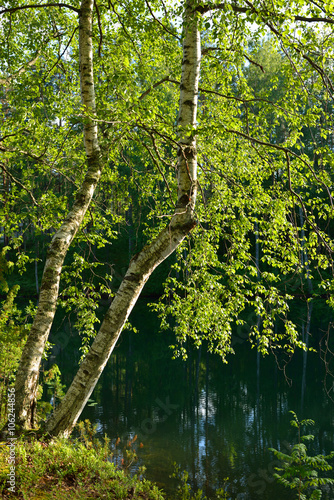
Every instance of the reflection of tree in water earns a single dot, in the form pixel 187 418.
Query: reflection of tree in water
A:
pixel 327 356
pixel 214 420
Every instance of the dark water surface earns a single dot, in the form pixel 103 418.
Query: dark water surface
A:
pixel 212 419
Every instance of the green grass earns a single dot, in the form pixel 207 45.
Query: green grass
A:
pixel 69 470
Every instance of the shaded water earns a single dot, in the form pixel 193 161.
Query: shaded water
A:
pixel 214 420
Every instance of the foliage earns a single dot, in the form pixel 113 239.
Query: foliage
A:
pixel 62 469
pixel 54 391
pixel 53 381
pixel 299 471
pixel 184 490
pixel 82 468
pixel 87 435
pixel 264 135
pixel 264 132
pixel 13 331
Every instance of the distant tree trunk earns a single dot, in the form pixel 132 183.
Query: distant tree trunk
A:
pixel 143 264
pixel 305 338
pixel 28 371
pixel 129 221
pixel 6 191
pixel 305 333
pixel 36 268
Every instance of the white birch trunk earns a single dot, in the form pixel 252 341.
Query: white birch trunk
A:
pixel 142 265
pixel 28 371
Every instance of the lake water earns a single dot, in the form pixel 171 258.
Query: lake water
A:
pixel 215 421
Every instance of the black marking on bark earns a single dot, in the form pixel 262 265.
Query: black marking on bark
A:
pixel 189 152
pixel 82 199
pixel 183 201
pixel 49 277
pixel 188 102
pixel 132 277
pixel 186 227
pixel 190 225
pixel 32 413
pixel 135 257
pixel 56 246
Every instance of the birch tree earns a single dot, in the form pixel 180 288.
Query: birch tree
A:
pixel 141 267
pixel 143 264
pixel 255 168
pixel 27 375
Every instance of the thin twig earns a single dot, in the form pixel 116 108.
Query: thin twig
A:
pixel 286 151
pixel 5 81
pixel 157 151
pixel 144 94
pixel 164 7
pixel 61 55
pixel 124 28
pixel 239 99
pixel 254 62
pixel 26 153
pixel 244 10
pixel 161 172
pixel 206 50
pixel 100 27
pixel 159 22
pixel 19 183
pixel 294 193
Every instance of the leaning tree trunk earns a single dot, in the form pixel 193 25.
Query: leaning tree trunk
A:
pixel 142 265
pixel 28 371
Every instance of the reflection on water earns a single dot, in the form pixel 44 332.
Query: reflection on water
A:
pixel 217 421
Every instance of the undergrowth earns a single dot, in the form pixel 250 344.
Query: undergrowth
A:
pixel 62 469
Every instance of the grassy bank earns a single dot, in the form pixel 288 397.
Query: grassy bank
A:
pixel 68 470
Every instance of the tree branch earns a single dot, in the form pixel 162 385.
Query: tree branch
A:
pixel 10 10
pixel 264 143
pixel 235 98
pixel 206 50
pixel 326 80
pixel 287 151
pixel 61 55
pixel 244 10
pixel 144 94
pixel 2 166
pixel 111 5
pixel 6 81
pixel 159 22
pixel 100 27
pixel 25 153
pixel 161 172
pixel 314 19
pixel 293 192
pixel 254 62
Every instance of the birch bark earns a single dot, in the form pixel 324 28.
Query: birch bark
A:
pixel 27 375
pixel 142 265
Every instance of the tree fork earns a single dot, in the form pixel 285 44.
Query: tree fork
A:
pixel 143 264
pixel 140 269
